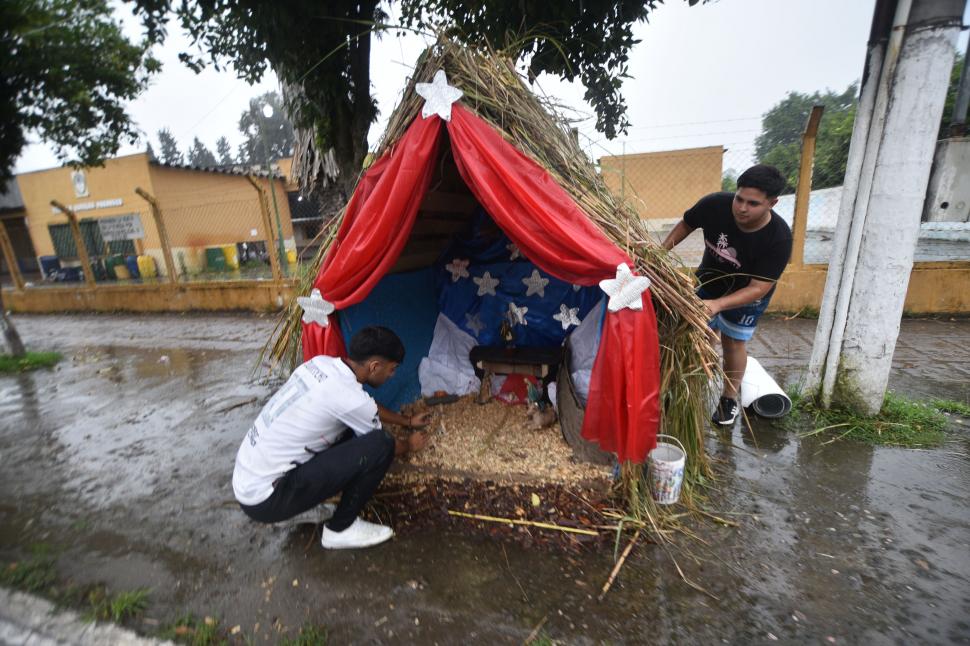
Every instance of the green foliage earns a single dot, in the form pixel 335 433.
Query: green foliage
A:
pixel 951 406
pixel 310 635
pixel 780 141
pixel 169 147
pixel 189 630
pixel 224 151
pixel 68 73
pixel 30 361
pixel 729 180
pixel 901 422
pixel 321 51
pixel 116 608
pixel 589 41
pixel 266 138
pixel 34 574
pixel 951 97
pixel 200 155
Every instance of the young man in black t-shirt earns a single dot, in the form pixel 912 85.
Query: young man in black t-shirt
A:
pixel 746 249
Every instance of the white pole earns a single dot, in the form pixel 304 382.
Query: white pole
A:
pixel 850 185
pixel 889 205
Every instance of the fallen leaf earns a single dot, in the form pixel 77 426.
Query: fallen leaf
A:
pixel 209 621
pixel 235 630
pixel 296 582
pixel 535 500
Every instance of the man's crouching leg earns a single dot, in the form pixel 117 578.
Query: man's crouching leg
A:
pixel 367 459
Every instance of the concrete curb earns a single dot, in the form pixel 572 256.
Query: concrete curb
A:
pixel 26 619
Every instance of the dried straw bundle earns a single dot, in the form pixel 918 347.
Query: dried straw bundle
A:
pixel 498 94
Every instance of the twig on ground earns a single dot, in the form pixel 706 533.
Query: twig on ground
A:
pixel 531 523
pixel 619 564
pixel 535 631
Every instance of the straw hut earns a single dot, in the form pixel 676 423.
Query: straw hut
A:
pixel 499 161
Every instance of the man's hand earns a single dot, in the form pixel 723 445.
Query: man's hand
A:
pixel 421 420
pixel 712 307
pixel 417 441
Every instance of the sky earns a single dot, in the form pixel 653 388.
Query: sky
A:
pixel 702 75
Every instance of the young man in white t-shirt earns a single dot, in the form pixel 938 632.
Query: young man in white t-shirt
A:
pixel 320 435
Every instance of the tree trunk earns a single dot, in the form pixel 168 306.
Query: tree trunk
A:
pixel 10 334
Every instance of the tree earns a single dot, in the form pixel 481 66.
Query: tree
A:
pixel 151 152
pixel 169 147
pixel 68 73
pixel 265 138
pixel 321 53
pixel 780 141
pixel 224 152
pixel 199 155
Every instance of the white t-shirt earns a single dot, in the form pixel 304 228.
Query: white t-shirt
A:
pixel 317 404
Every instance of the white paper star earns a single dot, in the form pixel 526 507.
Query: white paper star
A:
pixel 438 96
pixel 315 308
pixel 474 323
pixel 458 269
pixel 536 284
pixel 576 288
pixel 567 316
pixel 486 284
pixel 625 290
pixel 517 314
pixel 513 251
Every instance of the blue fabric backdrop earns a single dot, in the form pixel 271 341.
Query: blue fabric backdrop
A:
pixel 407 304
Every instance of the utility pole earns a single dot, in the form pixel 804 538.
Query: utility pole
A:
pixel 908 64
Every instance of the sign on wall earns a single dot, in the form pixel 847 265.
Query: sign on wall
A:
pixel 122 227
pixel 80 183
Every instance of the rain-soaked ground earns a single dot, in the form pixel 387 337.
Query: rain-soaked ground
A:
pixel 121 458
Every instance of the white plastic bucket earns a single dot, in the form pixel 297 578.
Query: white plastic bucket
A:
pixel 665 470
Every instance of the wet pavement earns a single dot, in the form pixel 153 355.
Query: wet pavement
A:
pixel 121 458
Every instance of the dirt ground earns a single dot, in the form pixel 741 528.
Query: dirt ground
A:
pixel 121 458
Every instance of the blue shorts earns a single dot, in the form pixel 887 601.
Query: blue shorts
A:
pixel 739 323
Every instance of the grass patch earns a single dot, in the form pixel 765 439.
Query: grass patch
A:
pixel 33 574
pixel 310 635
pixel 901 422
pixel 30 361
pixel 951 406
pixel 118 607
pixel 190 630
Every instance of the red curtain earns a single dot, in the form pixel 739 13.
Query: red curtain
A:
pixel 623 410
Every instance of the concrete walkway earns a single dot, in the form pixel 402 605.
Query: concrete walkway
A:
pixel 29 620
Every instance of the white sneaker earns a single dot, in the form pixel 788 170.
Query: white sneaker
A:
pixel 313 516
pixel 359 534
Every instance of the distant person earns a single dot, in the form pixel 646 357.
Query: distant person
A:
pixel 321 435
pixel 746 249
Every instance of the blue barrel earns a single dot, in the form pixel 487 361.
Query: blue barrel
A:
pixel 49 266
pixel 131 262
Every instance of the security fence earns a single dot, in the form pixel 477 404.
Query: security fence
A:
pixel 661 185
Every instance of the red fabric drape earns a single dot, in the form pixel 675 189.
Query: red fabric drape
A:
pixel 375 228
pixel 622 413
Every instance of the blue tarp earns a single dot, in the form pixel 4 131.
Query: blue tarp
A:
pixel 409 304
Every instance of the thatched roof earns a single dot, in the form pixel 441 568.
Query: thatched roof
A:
pixel 497 93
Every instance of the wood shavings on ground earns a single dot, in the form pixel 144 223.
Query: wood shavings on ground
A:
pixel 496 442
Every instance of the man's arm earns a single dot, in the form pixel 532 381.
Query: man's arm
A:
pixel 415 441
pixel 676 235
pixel 744 296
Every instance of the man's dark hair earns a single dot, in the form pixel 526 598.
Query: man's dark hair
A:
pixel 763 177
pixel 376 341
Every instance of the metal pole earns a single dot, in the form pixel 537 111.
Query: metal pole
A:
pixel 268 226
pixel 162 234
pixel 82 251
pixel 804 188
pixel 8 253
pixel 272 188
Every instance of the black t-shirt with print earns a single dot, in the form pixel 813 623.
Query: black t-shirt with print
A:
pixel 731 256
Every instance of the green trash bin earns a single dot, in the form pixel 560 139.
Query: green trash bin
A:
pixel 215 259
pixel 111 263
